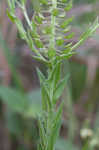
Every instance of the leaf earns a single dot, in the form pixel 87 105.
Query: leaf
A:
pixel 15 100
pixel 53 136
pixel 55 128
pixel 42 133
pixel 41 76
pixel 54 76
pixel 53 79
pixel 59 89
pixel 57 117
pixel 44 94
pixel 19 102
pixel 34 100
pixel 57 73
pixel 46 104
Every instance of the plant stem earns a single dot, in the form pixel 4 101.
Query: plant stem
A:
pixel 53 23
pixel 86 37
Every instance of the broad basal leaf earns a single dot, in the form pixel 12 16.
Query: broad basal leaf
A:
pixel 15 100
pixel 19 102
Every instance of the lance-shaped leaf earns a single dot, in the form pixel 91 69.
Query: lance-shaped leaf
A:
pixel 55 74
pixel 46 104
pixel 42 133
pixel 54 78
pixel 55 128
pixel 59 89
pixel 41 76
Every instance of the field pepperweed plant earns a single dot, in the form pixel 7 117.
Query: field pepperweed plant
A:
pixel 46 35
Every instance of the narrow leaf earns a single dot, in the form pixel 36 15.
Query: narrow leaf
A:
pixel 41 76
pixel 42 133
pixel 59 89
pixel 55 128
pixel 54 76
pixel 46 104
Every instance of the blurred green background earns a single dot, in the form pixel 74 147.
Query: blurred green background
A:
pixel 20 97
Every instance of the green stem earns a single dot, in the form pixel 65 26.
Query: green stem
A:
pixel 85 38
pixel 53 23
pixel 27 18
